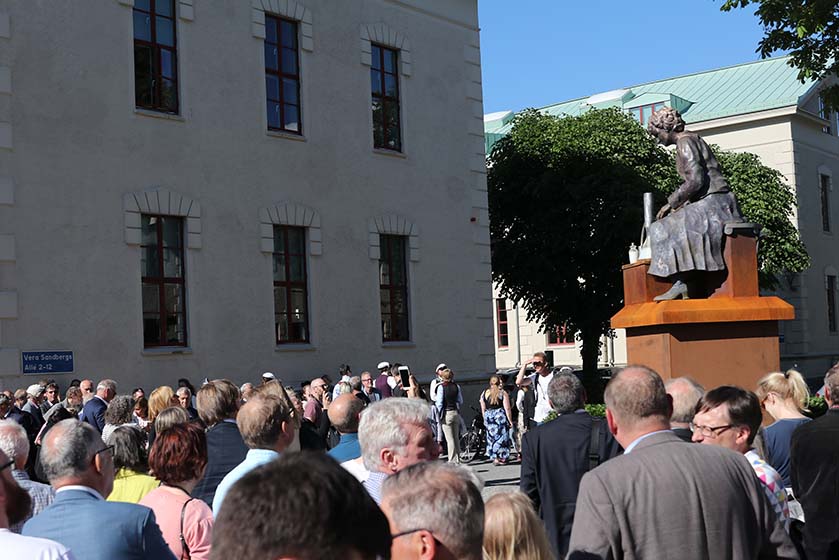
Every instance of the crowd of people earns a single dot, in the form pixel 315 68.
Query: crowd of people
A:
pixel 356 469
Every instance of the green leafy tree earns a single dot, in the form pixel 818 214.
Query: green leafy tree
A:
pixel 808 30
pixel 565 201
pixel 765 199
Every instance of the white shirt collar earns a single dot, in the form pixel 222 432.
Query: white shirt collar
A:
pixel 81 488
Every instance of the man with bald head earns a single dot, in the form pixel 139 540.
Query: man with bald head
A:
pixel 685 393
pixel 81 469
pixel 664 498
pixel 344 414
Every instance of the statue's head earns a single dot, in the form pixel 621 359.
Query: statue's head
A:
pixel 666 119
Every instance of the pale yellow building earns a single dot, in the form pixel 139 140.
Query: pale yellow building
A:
pixel 760 108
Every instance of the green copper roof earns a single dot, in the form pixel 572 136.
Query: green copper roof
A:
pixel 736 90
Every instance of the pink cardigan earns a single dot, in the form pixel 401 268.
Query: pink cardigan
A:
pixel 166 502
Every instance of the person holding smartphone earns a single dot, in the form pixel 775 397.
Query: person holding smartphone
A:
pixel 538 381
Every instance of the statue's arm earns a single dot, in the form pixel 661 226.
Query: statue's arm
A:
pixel 692 172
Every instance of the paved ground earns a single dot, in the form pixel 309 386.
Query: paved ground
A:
pixel 503 478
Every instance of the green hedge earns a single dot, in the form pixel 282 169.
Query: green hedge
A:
pixel 596 410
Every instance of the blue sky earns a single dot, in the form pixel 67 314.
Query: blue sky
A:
pixel 538 52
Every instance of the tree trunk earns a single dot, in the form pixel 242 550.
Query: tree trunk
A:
pixel 590 353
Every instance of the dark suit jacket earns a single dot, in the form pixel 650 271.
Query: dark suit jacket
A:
pixel 814 471
pixel 669 499
pixel 94 413
pixel 225 450
pixel 684 434
pixel 98 530
pixel 554 457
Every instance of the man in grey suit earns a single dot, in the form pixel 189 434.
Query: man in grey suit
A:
pixel 81 469
pixel 665 498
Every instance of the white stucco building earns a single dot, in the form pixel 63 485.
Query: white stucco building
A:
pixel 193 189
pixel 761 108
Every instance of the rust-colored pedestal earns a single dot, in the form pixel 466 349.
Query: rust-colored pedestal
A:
pixel 730 338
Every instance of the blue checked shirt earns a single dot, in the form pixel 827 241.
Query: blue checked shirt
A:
pixel 42 495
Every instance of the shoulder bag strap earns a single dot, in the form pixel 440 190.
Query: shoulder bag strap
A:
pixel 594 443
pixel 185 553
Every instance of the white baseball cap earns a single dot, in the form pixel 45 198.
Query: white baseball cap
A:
pixel 383 365
pixel 268 375
pixel 34 390
pixel 441 366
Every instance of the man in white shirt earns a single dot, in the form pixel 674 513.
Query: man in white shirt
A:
pixel 540 380
pixel 14 507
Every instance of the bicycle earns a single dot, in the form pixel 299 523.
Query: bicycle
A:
pixel 473 440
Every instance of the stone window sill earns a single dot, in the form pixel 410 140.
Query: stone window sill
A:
pixel 167 351
pixel 295 348
pixel 158 115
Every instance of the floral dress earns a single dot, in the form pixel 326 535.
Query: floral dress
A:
pixel 497 428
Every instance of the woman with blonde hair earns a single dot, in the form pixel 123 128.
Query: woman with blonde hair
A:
pixel 784 396
pixel 512 531
pixel 498 419
pixel 160 398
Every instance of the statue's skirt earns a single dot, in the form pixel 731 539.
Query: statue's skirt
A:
pixel 691 238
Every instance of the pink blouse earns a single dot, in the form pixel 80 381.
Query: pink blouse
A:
pixel 167 502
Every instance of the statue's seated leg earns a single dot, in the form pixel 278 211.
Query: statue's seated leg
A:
pixel 678 289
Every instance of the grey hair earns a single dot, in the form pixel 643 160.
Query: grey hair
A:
pixel 182 390
pixel 566 393
pixel 355 383
pixel 343 388
pixel 382 424
pixel 686 393
pixel 442 498
pixel 108 384
pixel 13 440
pixel 831 382
pixel 68 449
pixel 119 410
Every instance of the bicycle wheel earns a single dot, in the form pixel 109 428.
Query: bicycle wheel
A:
pixel 469 443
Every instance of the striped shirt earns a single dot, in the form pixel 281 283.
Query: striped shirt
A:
pixel 42 495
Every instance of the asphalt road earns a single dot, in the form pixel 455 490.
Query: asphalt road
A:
pixel 501 478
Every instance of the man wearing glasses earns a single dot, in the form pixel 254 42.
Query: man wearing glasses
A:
pixel 539 380
pixel 80 518
pixel 730 417
pixel 15 507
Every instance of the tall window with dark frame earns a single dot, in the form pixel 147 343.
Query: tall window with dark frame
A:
pixel 155 56
pixel 164 290
pixel 501 321
pixel 831 303
pixel 282 75
pixel 827 115
pixel 824 195
pixel 291 313
pixel 393 287
pixel 384 82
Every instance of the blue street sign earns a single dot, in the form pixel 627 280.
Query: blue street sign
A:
pixel 51 361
